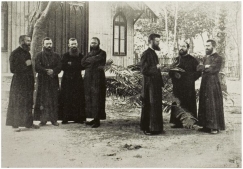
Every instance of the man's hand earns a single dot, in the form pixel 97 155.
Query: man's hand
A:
pixel 177 75
pixel 28 62
pixel 49 71
pixel 69 63
pixel 159 66
pixel 207 66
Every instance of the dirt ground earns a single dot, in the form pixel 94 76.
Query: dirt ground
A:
pixel 120 143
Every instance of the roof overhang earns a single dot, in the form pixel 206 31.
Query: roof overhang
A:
pixel 141 10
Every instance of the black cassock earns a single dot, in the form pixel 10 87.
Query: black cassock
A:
pixel 46 108
pixel 151 117
pixel 95 84
pixel 184 87
pixel 72 89
pixel 211 111
pixel 19 112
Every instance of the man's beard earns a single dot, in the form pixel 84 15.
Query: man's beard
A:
pixel 93 48
pixel 47 49
pixel 182 52
pixel 209 51
pixel 73 51
pixel 155 47
pixel 25 47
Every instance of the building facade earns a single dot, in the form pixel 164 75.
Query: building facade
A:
pixel 111 22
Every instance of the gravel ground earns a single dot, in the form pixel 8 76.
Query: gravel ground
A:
pixel 120 143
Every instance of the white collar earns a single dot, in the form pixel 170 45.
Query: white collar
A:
pixel 151 47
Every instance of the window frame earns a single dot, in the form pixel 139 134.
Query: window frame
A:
pixel 4 8
pixel 119 24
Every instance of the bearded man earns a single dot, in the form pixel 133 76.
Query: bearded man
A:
pixel 95 83
pixel 72 88
pixel 211 111
pixel 184 83
pixel 48 65
pixel 19 113
pixel 151 117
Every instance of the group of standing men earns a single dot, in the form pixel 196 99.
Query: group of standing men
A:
pixel 76 100
pixel 210 115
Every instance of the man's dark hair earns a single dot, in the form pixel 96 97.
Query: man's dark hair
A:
pixel 212 42
pixel 72 39
pixel 22 37
pixel 153 36
pixel 46 38
pixel 97 39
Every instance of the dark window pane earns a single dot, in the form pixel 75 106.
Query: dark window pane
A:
pixel 122 46
pixel 116 45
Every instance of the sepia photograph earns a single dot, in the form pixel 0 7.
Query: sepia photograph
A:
pixel 121 84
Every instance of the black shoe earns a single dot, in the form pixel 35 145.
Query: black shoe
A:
pixel 42 124
pixel 55 123
pixel 90 123
pixel 96 125
pixel 146 132
pixel 34 126
pixel 205 130
pixel 153 132
pixel 177 126
pixel 65 122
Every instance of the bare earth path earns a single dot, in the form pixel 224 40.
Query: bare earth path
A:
pixel 120 143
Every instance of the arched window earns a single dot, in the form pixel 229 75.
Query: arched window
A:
pixel 4 25
pixel 119 35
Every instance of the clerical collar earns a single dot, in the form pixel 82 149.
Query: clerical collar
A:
pixel 151 48
pixel 214 51
pixel 183 55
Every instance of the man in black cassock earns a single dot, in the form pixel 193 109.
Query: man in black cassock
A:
pixel 151 117
pixel 95 83
pixel 19 113
pixel 184 83
pixel 211 111
pixel 48 65
pixel 72 88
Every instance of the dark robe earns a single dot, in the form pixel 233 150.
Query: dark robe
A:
pixel 211 111
pixel 19 113
pixel 72 89
pixel 95 84
pixel 151 117
pixel 184 87
pixel 46 108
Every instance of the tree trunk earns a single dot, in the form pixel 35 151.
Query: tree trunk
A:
pixel 191 45
pixel 166 29
pixel 175 26
pixel 39 29
pixel 202 39
pixel 221 47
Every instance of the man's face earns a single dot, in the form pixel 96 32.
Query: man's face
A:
pixel 94 44
pixel 183 49
pixel 73 44
pixel 209 48
pixel 26 43
pixel 155 44
pixel 47 44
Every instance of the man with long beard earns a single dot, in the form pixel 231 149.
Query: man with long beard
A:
pixel 48 65
pixel 211 111
pixel 72 88
pixel 95 83
pixel 19 112
pixel 184 83
pixel 151 117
